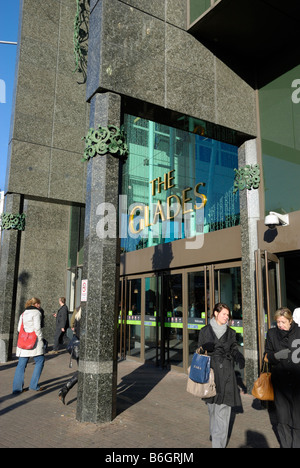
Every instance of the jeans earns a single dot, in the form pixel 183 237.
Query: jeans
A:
pixel 20 372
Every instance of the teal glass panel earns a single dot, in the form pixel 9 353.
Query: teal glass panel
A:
pixel 73 236
pixel 280 120
pixel 197 8
pixel 81 237
pixel 176 185
pixel 76 236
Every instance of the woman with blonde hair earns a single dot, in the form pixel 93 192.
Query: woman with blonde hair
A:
pixel 31 319
pixel 281 344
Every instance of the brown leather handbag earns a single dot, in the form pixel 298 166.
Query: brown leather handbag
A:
pixel 263 388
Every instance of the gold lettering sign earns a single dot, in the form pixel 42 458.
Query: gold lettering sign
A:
pixel 166 213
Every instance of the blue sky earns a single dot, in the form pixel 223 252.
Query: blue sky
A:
pixel 9 19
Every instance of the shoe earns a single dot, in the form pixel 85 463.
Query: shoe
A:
pixel 53 352
pixel 62 394
pixel 23 391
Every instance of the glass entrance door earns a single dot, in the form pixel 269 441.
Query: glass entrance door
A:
pixel 268 288
pixel 199 302
pixel 228 289
pixel 172 343
pixel 152 329
pixel 161 314
pixel 130 317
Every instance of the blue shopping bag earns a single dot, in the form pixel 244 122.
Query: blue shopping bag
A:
pixel 200 368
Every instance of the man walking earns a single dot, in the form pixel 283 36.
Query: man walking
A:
pixel 61 324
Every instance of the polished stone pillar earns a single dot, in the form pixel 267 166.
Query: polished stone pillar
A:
pixel 98 364
pixel 250 215
pixel 9 263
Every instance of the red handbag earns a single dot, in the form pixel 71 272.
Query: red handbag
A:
pixel 26 340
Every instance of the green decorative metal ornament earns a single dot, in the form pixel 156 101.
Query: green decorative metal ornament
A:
pixel 105 140
pixel 81 35
pixel 11 221
pixel 247 177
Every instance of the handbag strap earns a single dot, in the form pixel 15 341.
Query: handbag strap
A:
pixel 265 365
pixel 22 322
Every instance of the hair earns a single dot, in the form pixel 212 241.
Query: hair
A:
pixel 218 307
pixel 63 300
pixel 32 302
pixel 284 312
pixel 78 313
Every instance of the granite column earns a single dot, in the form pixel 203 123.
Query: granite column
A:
pixel 9 265
pixel 250 215
pixel 98 359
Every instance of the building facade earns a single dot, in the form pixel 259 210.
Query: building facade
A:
pixel 206 94
pixel 1 206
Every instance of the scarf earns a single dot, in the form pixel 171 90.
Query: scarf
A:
pixel 219 330
pixel 284 335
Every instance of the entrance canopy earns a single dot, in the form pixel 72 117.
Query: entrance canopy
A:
pixel 258 39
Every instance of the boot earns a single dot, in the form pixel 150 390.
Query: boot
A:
pixel 66 388
pixel 63 393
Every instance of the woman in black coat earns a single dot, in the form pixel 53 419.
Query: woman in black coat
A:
pixel 73 381
pixel 219 341
pixel 281 352
pixel 62 323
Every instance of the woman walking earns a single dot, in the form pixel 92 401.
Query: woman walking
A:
pixel 281 342
pixel 219 341
pixel 75 325
pixel 31 319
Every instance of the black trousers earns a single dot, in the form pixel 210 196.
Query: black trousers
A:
pixel 58 338
pixel 289 436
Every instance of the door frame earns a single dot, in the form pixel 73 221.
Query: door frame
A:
pixel 125 304
pixel 263 295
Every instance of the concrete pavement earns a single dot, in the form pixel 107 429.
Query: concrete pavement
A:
pixel 154 412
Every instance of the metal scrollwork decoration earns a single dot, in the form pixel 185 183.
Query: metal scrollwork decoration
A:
pixel 11 221
pixel 105 140
pixel 247 177
pixel 81 35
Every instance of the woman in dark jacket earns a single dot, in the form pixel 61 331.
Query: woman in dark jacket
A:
pixel 281 352
pixel 61 324
pixel 73 381
pixel 219 341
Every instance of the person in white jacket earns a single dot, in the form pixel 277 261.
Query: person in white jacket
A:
pixel 31 322
pixel 296 316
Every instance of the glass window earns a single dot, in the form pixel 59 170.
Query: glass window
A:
pixel 75 257
pixel 229 291
pixel 197 8
pixel 152 332
pixel 73 290
pixel 280 118
pixel 198 296
pixel 134 318
pixel 76 236
pixel 177 184
pixel 173 317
